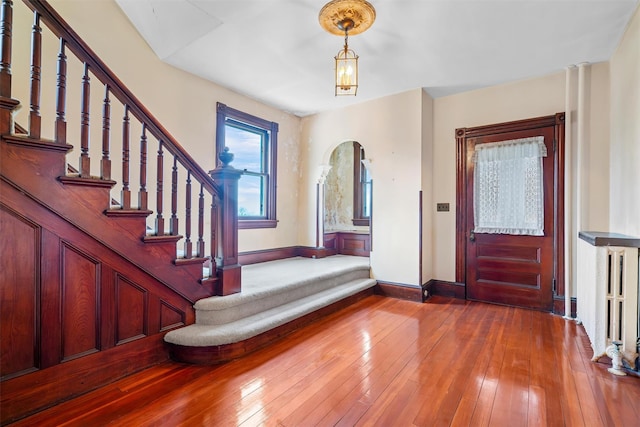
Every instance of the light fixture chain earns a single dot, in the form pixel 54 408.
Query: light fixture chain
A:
pixel 346 40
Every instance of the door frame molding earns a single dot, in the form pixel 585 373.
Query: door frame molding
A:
pixel 463 162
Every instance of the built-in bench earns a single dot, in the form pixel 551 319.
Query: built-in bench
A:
pixel 348 242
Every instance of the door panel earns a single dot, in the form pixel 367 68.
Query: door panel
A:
pixel 512 269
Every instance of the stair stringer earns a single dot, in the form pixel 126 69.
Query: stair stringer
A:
pixel 76 314
pixel 36 166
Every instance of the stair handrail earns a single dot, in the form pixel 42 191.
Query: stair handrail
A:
pixel 221 183
pixel 74 42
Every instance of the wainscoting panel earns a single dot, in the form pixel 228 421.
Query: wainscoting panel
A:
pixel 19 292
pixel 80 303
pixel 170 317
pixel 132 311
pixel 74 312
pixel 348 243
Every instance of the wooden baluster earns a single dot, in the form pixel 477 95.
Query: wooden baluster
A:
pixel 126 192
pixel 85 165
pixel 159 190
pixel 173 224
pixel 36 59
pixel 188 246
pixel 105 164
pixel 200 245
pixel 6 24
pixel 142 195
pixel 61 96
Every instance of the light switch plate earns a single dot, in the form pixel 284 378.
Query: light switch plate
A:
pixel 442 207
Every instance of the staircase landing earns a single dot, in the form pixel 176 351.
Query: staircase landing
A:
pixel 277 297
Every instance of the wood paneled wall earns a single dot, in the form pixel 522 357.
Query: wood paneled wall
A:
pixel 348 243
pixel 66 298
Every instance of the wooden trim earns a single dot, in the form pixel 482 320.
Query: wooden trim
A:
pixel 461 206
pixel 25 141
pixel 221 353
pixel 309 252
pixel 399 291
pixel 559 210
pixel 463 165
pixel 517 125
pixel 87 181
pixel 127 213
pixel 318 214
pixel 246 224
pixel 274 254
pixel 348 242
pixel 371 219
pixel 31 393
pixel 558 306
pixel 193 260
pixel 445 288
pixel 264 255
pixel 420 254
pixel 603 238
pixel 222 113
pixel 358 218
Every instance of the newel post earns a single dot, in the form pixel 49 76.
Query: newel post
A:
pixel 229 271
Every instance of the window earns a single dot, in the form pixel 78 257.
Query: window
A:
pixel 361 188
pixel 253 141
pixel 508 187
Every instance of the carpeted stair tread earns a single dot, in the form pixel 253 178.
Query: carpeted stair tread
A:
pixel 199 335
pixel 274 296
pixel 268 278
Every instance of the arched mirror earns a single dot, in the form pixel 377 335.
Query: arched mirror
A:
pixel 347 201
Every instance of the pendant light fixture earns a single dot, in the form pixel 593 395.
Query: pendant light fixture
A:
pixel 346 17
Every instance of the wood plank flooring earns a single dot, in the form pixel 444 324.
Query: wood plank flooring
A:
pixel 383 362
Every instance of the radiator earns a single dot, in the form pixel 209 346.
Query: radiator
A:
pixel 608 297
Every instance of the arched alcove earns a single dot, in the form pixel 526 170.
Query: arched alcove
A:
pixel 347 201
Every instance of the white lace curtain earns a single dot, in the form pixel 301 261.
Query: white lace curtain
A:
pixel 508 191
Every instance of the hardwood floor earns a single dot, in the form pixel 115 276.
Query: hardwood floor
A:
pixel 383 362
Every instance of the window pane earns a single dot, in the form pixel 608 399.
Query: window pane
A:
pixel 508 192
pixel 254 144
pixel 251 196
pixel 366 199
pixel 246 146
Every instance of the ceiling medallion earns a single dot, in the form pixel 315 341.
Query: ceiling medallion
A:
pixel 336 13
pixel 344 17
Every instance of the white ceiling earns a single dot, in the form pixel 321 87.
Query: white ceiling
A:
pixel 276 52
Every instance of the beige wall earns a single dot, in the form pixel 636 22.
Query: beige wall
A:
pixel 183 103
pixel 390 130
pixel 428 182
pixel 597 148
pixel 625 132
pixel 514 101
pixel 408 137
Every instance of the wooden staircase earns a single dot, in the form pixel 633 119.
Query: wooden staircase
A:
pixel 85 287
pixel 98 263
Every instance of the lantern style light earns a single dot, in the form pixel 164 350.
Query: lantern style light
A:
pixel 346 65
pixel 344 17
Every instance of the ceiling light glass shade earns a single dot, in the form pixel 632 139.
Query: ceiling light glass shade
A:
pixel 346 72
pixel 346 17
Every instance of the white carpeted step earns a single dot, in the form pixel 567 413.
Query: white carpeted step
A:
pixel 273 284
pixel 199 335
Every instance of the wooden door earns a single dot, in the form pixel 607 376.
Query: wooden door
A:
pixel 504 268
